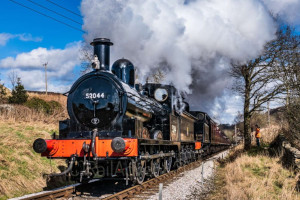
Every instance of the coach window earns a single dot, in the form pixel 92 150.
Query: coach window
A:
pixel 160 94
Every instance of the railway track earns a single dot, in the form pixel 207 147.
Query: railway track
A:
pixel 136 192
pixel 72 191
pixel 63 192
pixel 130 192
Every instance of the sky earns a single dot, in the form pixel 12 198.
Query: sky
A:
pixel 192 41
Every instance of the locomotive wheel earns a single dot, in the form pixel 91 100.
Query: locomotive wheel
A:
pixel 155 167
pixel 168 164
pixel 140 173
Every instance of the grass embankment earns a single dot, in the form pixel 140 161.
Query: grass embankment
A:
pixel 254 174
pixel 21 169
pixel 58 98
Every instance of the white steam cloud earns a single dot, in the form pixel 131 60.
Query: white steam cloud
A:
pixel 191 40
pixel 288 10
pixel 179 33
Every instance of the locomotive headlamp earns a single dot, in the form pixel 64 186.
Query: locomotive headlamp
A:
pixel 118 144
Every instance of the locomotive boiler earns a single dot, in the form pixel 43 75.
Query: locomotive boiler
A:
pixel 121 130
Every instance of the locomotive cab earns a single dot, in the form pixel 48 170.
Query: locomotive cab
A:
pixel 178 125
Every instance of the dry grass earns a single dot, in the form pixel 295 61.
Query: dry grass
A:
pixel 51 97
pixel 254 174
pixel 19 113
pixel 255 177
pixel 21 169
pixel 267 134
pixel 8 92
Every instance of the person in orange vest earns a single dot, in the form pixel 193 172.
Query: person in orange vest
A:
pixel 257 134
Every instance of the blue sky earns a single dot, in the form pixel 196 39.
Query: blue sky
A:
pixel 16 19
pixel 27 30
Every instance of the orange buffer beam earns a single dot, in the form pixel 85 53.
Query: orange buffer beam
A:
pixel 67 148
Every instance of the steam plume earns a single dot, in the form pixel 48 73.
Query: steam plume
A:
pixel 191 40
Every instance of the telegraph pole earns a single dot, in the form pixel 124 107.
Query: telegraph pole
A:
pixel 269 113
pixel 235 133
pixel 45 65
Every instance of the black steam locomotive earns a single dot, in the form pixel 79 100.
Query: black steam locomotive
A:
pixel 121 130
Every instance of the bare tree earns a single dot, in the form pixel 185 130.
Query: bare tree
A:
pixel 257 83
pixel 13 77
pixel 287 68
pixel 287 61
pixel 238 118
pixel 157 76
pixel 86 58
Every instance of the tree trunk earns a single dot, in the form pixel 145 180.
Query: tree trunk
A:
pixel 247 132
pixel 247 115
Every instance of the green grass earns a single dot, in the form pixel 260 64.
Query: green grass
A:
pixel 29 128
pixel 254 151
pixel 20 135
pixel 20 167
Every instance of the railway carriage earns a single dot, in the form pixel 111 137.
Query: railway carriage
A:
pixel 207 131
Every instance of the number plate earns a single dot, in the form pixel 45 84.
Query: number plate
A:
pixel 91 95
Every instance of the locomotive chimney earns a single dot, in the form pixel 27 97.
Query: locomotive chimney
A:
pixel 101 50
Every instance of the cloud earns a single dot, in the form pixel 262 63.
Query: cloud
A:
pixel 287 9
pixel 60 61
pixel 5 37
pixel 192 41
pixel 179 33
pixel 28 37
pixel 60 67
pixel 35 80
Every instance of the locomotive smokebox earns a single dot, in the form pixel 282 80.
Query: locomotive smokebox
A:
pixel 102 50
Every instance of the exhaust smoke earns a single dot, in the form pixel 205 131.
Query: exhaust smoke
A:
pixel 192 41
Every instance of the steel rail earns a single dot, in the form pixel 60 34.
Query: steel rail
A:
pixel 137 189
pixel 63 192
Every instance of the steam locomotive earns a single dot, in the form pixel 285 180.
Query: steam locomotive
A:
pixel 122 130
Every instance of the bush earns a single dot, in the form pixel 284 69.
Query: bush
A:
pixel 42 105
pixel 55 105
pixel 18 94
pixel 3 98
